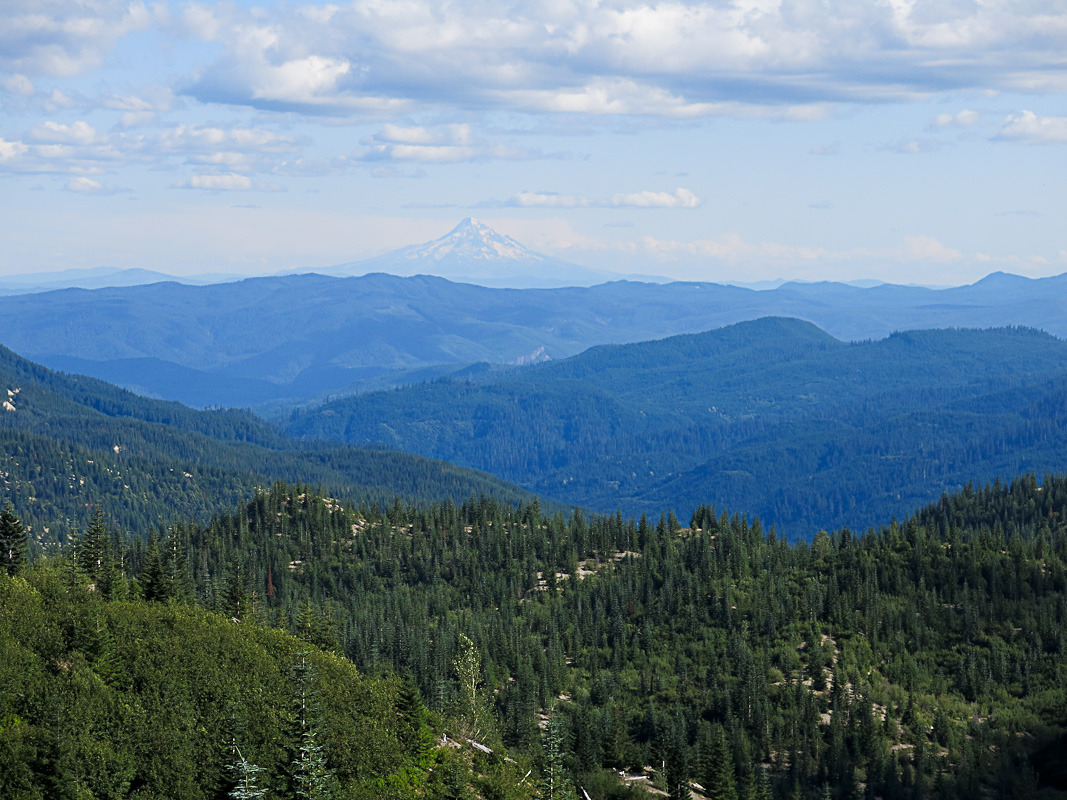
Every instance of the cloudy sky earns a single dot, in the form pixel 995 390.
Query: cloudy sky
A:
pixel 904 140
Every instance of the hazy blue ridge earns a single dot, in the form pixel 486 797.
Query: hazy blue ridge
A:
pixel 291 339
pixel 773 416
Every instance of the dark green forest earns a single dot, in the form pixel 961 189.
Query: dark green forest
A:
pixel 923 659
pixel 69 443
pixel 773 416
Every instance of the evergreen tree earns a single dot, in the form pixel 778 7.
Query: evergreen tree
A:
pixel 93 546
pixel 12 541
pixel 554 783
pixel 473 714
pixel 312 777
pixel 717 770
pixel 154 584
pixel 245 777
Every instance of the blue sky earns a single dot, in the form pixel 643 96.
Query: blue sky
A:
pixel 899 140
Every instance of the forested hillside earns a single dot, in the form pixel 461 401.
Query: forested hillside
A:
pixel 774 416
pixel 69 443
pixel 119 698
pixel 925 659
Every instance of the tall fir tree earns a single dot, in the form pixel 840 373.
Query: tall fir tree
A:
pixel 312 777
pixel 717 767
pixel 13 546
pixel 554 782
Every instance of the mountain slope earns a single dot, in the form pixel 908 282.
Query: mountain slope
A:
pixel 69 443
pixel 773 415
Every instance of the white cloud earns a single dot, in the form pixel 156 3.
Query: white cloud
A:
pixel 136 119
pixel 9 151
pixel 445 144
pixel 963 119
pixel 18 84
pixel 226 182
pixel 80 132
pixel 927 248
pixel 1030 128
pixel 83 185
pixel 547 200
pixel 791 58
pixel 309 80
pixel 680 198
pixel 65 37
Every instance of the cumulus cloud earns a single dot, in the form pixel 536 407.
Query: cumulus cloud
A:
pixel 1030 128
pixel 226 182
pixel 679 198
pixel 65 37
pixel 9 151
pixel 79 132
pixel 962 119
pixel 444 144
pixel 78 148
pixel 547 200
pixel 18 84
pixel 669 58
pixel 83 185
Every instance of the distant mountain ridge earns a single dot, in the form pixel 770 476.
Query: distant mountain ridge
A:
pixel 290 340
pixel 773 416
pixel 99 278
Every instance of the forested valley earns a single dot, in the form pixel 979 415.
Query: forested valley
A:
pixel 773 416
pixel 703 656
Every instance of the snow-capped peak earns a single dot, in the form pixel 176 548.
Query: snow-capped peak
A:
pixel 473 240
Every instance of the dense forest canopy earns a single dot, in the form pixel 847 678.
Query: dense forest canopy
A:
pixel 70 443
pixel 773 416
pixel 924 659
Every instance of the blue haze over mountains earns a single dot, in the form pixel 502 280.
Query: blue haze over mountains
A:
pixel 290 340
pixel 807 414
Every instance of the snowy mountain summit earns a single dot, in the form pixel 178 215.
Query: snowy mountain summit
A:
pixel 471 240
pixel 472 252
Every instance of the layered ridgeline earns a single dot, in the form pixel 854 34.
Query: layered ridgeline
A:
pixel 287 340
pixel 69 443
pixel 927 659
pixel 773 416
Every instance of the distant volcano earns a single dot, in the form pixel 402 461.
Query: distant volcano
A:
pixel 472 252
pixel 471 242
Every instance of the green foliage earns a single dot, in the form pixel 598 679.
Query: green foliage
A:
pixel 927 658
pixel 716 653
pixel 12 541
pixel 75 445
pixel 772 416
pixel 137 700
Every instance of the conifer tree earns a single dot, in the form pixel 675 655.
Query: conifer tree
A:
pixel 312 778
pixel 554 783
pixel 92 548
pixel 718 768
pixel 12 541
pixel 153 579
pixel 245 776
pixel 473 713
